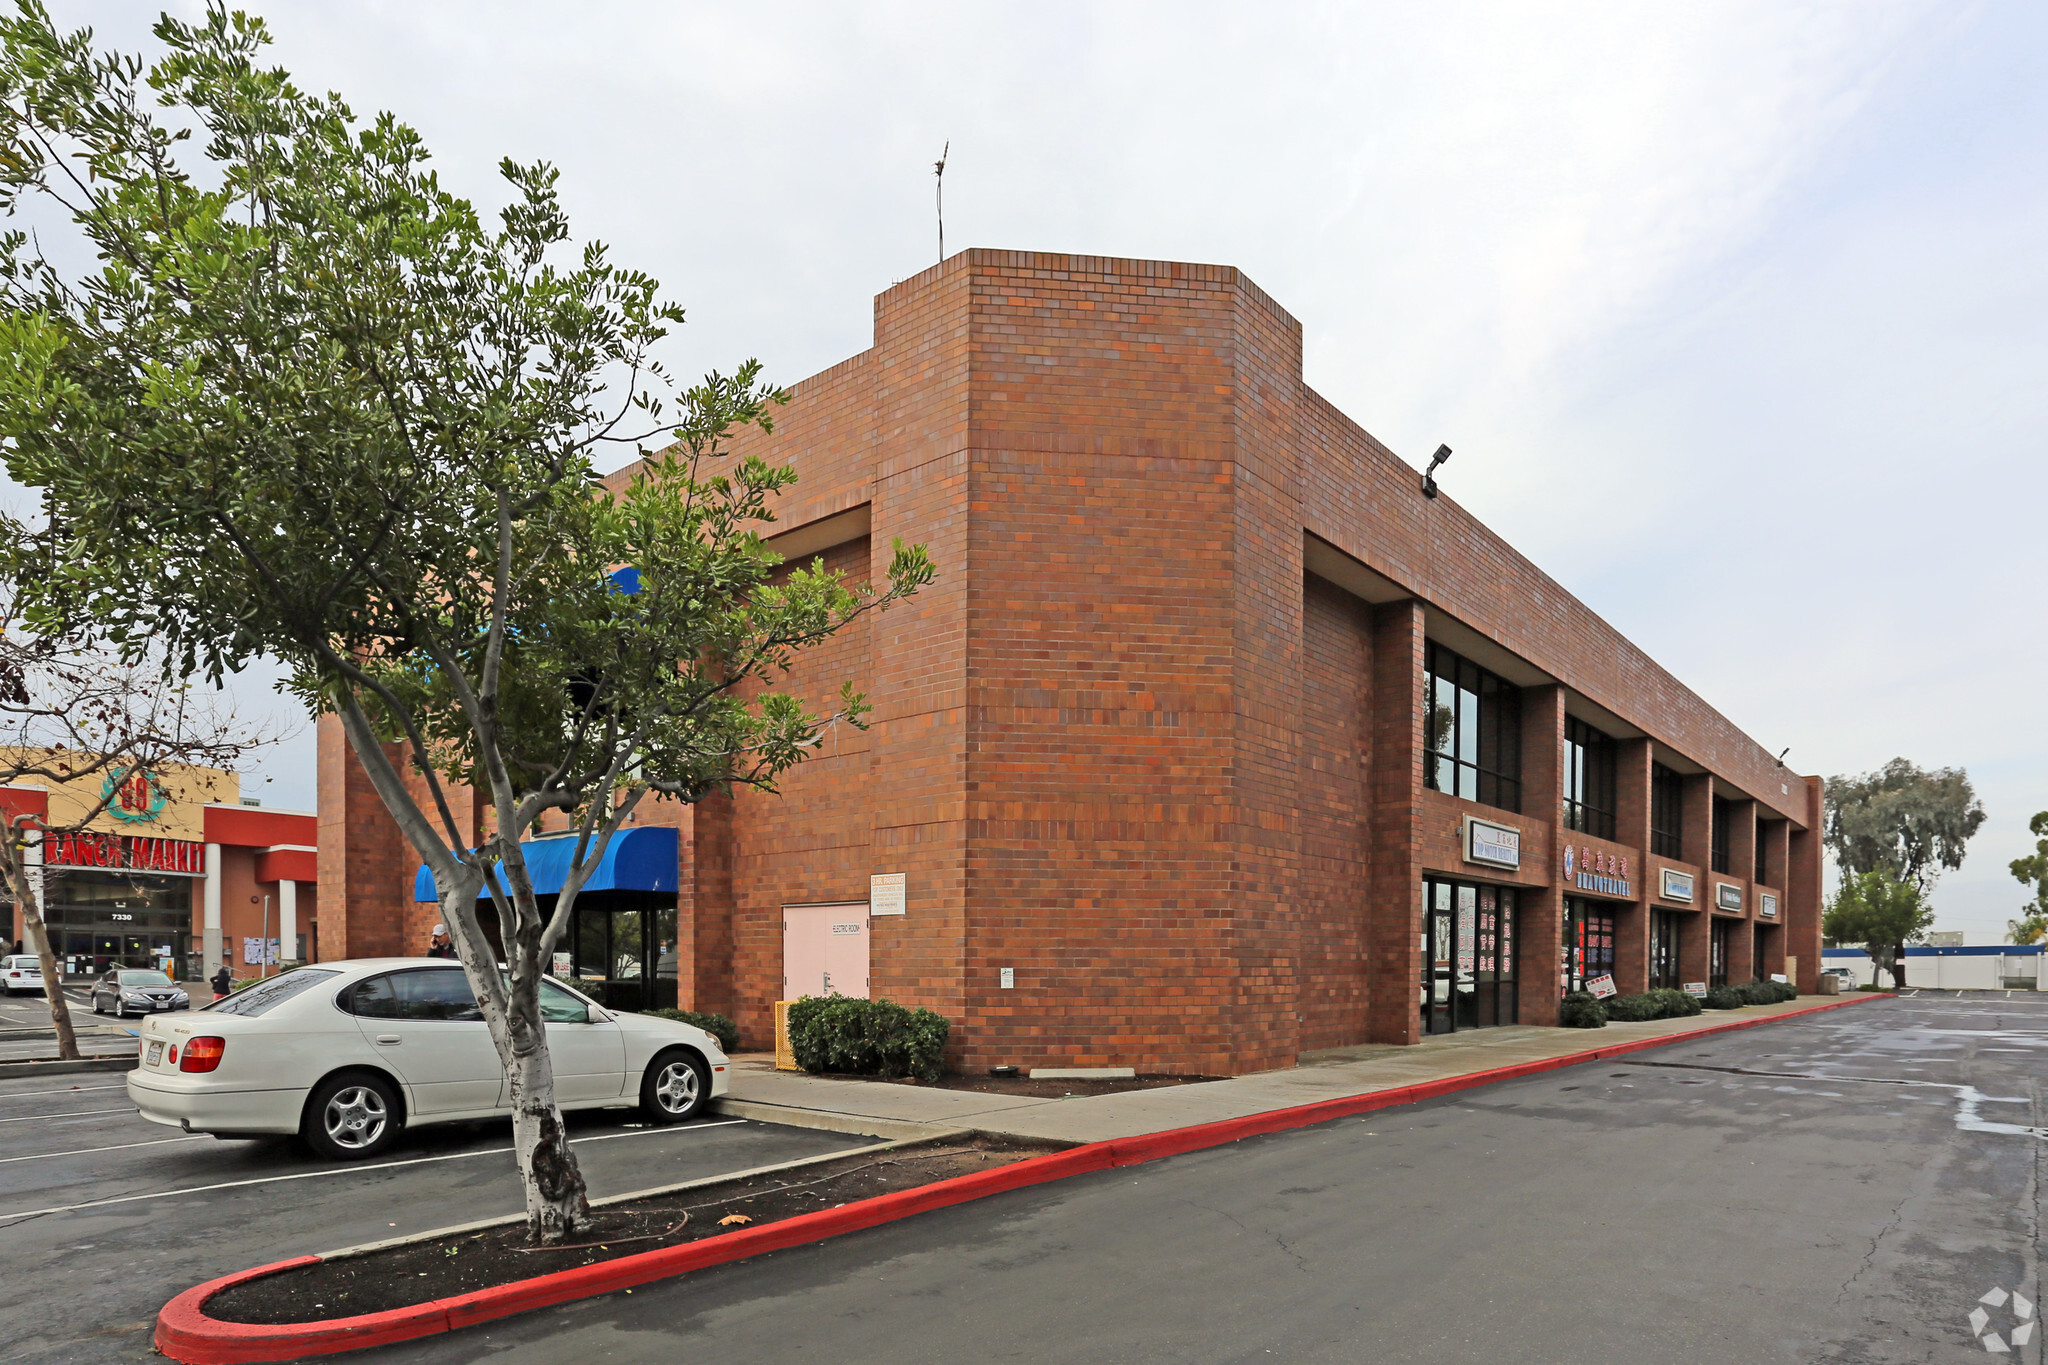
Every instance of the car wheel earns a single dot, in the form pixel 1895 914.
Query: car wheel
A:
pixel 677 1086
pixel 96 1003
pixel 351 1117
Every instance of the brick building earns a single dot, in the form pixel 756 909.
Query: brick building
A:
pixel 1215 742
pixel 178 872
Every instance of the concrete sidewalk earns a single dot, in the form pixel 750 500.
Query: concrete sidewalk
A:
pixel 758 1091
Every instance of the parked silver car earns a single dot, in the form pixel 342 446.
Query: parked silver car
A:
pixel 132 990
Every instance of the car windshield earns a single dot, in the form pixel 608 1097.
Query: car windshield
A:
pixel 144 979
pixel 268 995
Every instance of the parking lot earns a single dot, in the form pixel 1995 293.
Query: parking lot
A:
pixel 1842 1188
pixel 103 1216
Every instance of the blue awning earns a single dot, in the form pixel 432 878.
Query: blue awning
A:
pixel 641 859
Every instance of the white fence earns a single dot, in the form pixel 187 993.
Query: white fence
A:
pixel 1975 972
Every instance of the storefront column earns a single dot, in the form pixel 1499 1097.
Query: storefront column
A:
pixel 210 948
pixel 287 920
pixel 32 868
pixel 1697 846
pixel 1632 827
pixel 1542 907
pixel 1802 906
pixel 1393 934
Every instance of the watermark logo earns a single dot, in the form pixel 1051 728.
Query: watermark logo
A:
pixel 2015 1315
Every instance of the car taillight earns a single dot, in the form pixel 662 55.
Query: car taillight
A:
pixel 203 1054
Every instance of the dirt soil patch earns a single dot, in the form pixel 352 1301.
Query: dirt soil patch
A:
pixel 420 1272
pixel 1024 1085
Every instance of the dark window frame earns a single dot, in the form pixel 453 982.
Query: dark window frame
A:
pixel 1472 731
pixel 1667 812
pixel 1723 854
pixel 1761 860
pixel 1589 779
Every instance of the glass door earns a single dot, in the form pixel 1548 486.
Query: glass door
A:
pixel 626 959
pixel 1588 942
pixel 1468 956
pixel 1436 960
pixel 1717 953
pixel 1664 949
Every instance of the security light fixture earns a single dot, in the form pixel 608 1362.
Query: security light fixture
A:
pixel 1429 475
pixel 1781 755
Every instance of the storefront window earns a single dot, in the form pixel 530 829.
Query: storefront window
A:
pixel 101 921
pixel 1717 953
pixel 1664 928
pixel 1468 956
pixel 1588 942
pixel 1588 780
pixel 1472 732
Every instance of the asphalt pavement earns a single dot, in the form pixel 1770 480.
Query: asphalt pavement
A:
pixel 104 1216
pixel 26 1034
pixel 1844 1187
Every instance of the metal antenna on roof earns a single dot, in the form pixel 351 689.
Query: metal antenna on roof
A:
pixel 939 174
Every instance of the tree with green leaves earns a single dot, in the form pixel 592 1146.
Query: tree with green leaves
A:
pixel 1883 912
pixel 2032 871
pixel 1905 821
pixel 1910 821
pixel 307 403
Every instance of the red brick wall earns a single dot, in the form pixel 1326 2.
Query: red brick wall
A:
pixel 1334 795
pixel 1124 746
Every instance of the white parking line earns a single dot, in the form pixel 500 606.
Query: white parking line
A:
pixel 67 1114
pixel 67 1090
pixel 340 1170
pixel 87 1151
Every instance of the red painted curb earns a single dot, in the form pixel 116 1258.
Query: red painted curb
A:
pixel 185 1333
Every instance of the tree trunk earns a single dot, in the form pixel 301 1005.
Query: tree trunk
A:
pixel 557 1201
pixel 39 939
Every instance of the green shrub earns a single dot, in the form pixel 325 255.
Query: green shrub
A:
pixel 1634 1009
pixel 717 1025
pixel 1581 1010
pixel 1674 1003
pixel 1722 998
pixel 867 1037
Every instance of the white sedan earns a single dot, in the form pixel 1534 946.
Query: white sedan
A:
pixel 345 1054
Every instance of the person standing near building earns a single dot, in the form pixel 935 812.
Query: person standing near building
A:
pixel 441 945
pixel 223 983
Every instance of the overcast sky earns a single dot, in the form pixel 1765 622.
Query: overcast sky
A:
pixel 1734 313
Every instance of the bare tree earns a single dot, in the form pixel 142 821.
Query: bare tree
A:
pixel 70 711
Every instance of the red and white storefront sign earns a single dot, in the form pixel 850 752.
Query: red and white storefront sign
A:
pixel 127 852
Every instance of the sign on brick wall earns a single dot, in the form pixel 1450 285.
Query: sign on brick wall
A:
pixel 1492 844
pixel 886 893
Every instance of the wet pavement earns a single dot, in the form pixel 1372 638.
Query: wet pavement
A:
pixel 1846 1187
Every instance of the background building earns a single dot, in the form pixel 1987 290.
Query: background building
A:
pixel 176 872
pixel 1216 741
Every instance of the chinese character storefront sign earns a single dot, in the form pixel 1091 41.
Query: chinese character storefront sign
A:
pixel 1596 870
